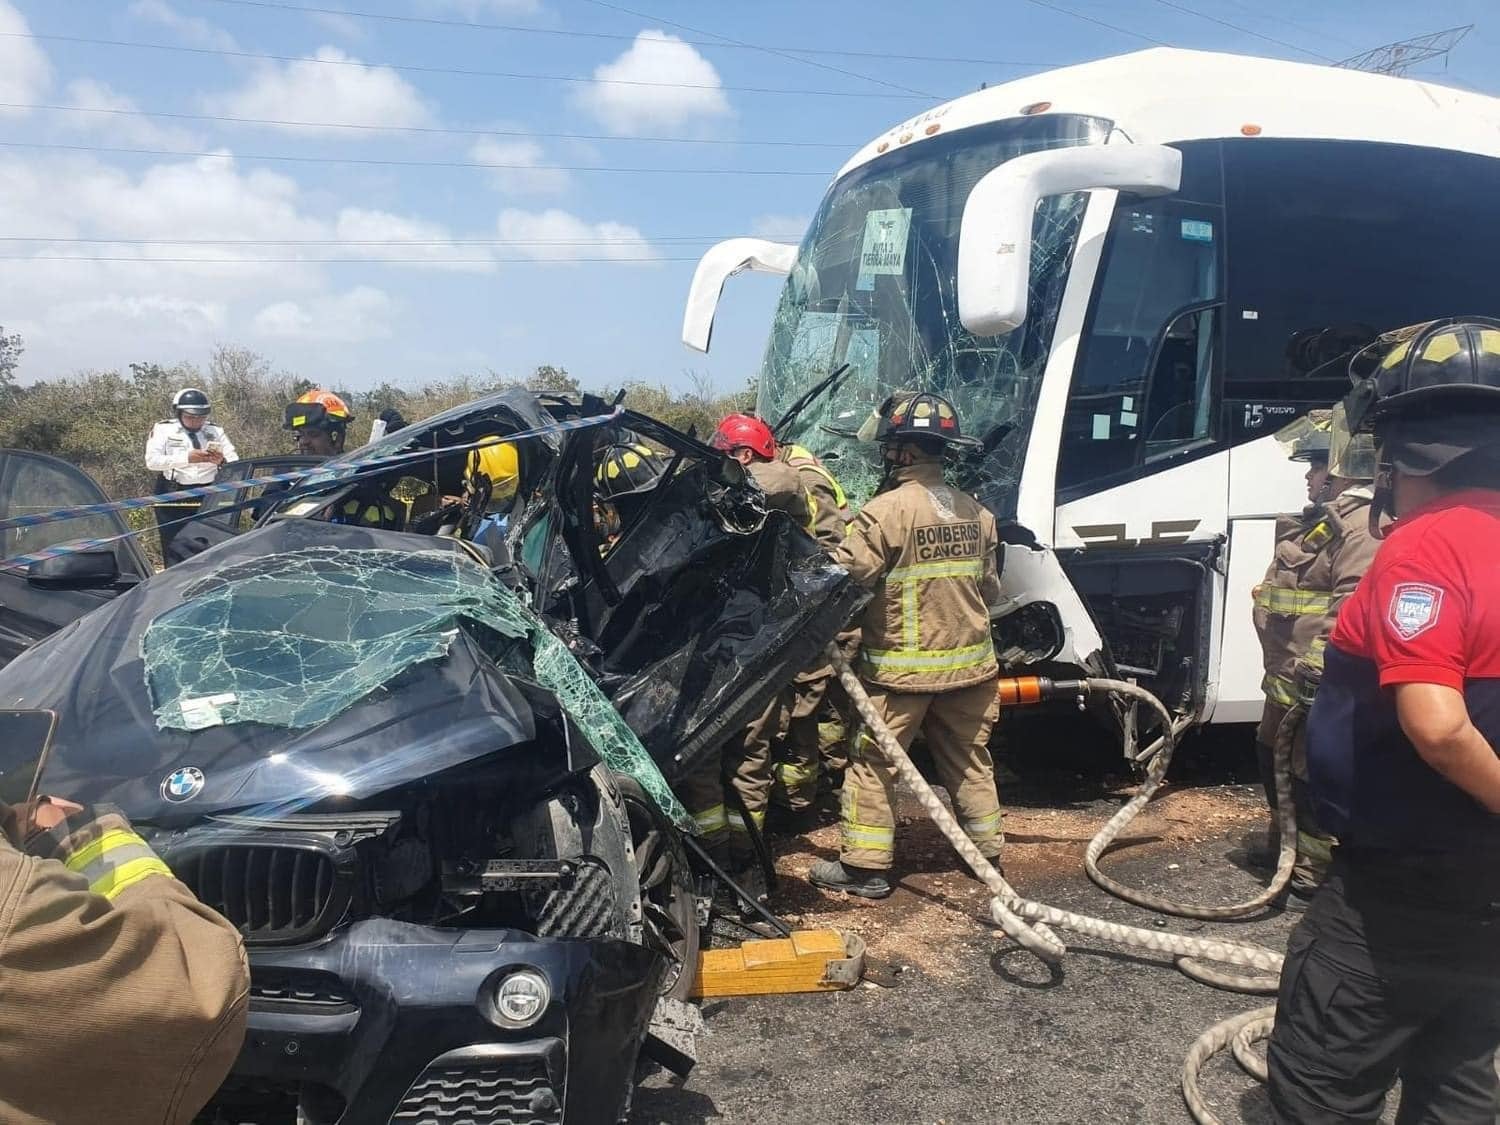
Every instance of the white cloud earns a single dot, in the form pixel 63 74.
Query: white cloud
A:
pixel 191 29
pixel 25 73
pixel 557 236
pixel 687 90
pixel 125 315
pixel 121 127
pixel 780 228
pixel 337 88
pixel 224 277
pixel 524 178
pixel 387 236
pixel 362 313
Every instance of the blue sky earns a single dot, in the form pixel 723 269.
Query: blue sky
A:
pixel 496 268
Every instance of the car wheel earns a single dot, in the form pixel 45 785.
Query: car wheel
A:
pixel 669 912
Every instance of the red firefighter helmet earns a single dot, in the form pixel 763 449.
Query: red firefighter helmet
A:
pixel 745 431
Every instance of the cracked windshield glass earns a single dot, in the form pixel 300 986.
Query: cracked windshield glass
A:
pixel 874 287
pixel 292 640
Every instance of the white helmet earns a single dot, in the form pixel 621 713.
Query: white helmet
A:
pixel 190 400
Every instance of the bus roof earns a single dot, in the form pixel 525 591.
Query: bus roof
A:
pixel 1164 94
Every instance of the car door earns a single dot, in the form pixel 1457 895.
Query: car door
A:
pixel 34 482
pixel 225 515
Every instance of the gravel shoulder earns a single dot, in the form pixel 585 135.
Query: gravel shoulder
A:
pixel 975 1029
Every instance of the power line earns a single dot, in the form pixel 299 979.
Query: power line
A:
pixel 1098 22
pixel 337 261
pixel 476 25
pixel 426 129
pixel 410 68
pixel 1298 24
pixel 482 164
pixel 384 163
pixel 73 240
pixel 1242 30
pixel 774 52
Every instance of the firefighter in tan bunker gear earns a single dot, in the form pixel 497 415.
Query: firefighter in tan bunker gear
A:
pixel 124 996
pixel 1321 554
pixel 928 553
pixel 814 734
pixel 745 764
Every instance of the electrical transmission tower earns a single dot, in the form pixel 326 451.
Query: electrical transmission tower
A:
pixel 1398 58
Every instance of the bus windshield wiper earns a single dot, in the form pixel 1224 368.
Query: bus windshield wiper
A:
pixel 827 384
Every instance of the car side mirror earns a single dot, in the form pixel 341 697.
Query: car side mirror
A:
pixel 717 266
pixel 83 570
pixel 994 242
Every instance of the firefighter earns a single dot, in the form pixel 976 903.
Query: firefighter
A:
pixel 320 421
pixel 750 442
pixel 1394 970
pixel 928 553
pixel 492 472
pixel 125 996
pixel 1320 555
pixel 183 452
pixel 626 474
pixel 814 727
pixel 745 764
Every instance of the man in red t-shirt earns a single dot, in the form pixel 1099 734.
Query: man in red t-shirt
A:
pixel 1394 972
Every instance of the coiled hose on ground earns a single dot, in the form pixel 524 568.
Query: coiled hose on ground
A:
pixel 1030 923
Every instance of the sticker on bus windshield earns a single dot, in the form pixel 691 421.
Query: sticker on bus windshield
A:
pixel 884 249
pixel 1197 230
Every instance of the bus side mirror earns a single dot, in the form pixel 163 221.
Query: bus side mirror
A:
pixel 994 242
pixel 717 266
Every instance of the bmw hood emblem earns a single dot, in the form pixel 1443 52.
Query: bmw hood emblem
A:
pixel 182 785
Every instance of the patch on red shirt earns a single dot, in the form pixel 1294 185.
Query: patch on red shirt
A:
pixel 1415 607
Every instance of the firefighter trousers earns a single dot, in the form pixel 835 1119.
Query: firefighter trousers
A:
pixel 956 726
pixel 744 767
pixel 802 751
pixel 1314 845
pixel 1393 972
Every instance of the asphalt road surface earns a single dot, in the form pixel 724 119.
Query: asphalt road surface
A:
pixel 975 1029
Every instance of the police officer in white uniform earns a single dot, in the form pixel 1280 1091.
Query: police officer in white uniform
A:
pixel 184 453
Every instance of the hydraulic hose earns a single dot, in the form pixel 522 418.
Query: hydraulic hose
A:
pixel 1030 923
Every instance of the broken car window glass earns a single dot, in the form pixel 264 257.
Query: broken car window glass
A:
pixel 874 287
pixel 293 639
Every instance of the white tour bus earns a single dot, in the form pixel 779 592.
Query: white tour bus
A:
pixel 1127 275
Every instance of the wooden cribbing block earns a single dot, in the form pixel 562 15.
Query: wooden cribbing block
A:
pixel 808 961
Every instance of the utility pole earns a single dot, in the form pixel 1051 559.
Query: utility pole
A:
pixel 1398 58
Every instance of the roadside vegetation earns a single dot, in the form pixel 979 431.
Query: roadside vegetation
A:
pixel 99 420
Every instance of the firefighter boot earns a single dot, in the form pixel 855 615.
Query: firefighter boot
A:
pixel 832 875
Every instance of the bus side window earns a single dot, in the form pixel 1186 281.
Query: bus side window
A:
pixel 1143 381
pixel 1179 403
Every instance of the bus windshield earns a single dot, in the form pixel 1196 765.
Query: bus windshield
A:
pixel 875 287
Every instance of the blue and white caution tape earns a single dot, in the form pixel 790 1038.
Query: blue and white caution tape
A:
pixel 335 475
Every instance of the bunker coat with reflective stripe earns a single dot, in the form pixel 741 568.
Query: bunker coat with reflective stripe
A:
pixel 828 507
pixel 782 485
pixel 122 997
pixel 928 553
pixel 1321 554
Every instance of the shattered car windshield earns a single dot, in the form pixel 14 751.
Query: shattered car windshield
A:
pixel 293 639
pixel 874 287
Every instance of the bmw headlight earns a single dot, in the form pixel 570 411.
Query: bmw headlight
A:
pixel 521 997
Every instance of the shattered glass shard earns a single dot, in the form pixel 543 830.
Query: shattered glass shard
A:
pixel 293 639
